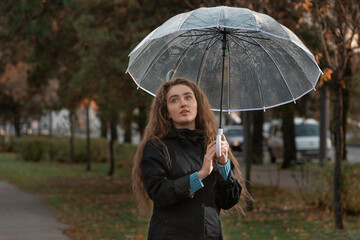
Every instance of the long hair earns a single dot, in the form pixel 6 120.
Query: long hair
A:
pixel 158 127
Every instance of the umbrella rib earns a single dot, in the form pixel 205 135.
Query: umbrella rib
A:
pixel 197 35
pixel 153 62
pixel 241 39
pixel 220 13
pixel 302 70
pixel 258 78
pixel 210 46
pixel 204 40
pixel 187 17
pixel 146 48
pixel 235 30
pixel 209 29
pixel 211 15
pixel 253 37
pixel 198 19
pixel 228 48
pixel 202 59
pixel 183 54
pixel 282 75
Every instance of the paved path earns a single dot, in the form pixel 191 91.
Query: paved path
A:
pixel 272 176
pixel 23 216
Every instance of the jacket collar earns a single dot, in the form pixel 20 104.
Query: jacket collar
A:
pixel 185 135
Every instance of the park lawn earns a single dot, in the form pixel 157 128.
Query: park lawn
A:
pixel 96 206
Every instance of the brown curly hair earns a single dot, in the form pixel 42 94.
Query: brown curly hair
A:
pixel 158 127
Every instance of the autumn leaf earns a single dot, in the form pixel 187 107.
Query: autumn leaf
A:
pixel 342 84
pixel 304 5
pixel 327 75
pixel 318 56
pixel 14 80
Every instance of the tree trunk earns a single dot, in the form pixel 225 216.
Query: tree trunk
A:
pixel 257 139
pixel 50 124
pixel 104 127
pixel 324 123
pixel 113 138
pixel 248 152
pixel 288 136
pixel 51 147
pixel 39 125
pixel 142 119
pixel 17 123
pixel 128 130
pixel 339 145
pixel 345 109
pixel 88 153
pixel 72 120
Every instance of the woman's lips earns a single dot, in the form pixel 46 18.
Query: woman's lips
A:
pixel 184 112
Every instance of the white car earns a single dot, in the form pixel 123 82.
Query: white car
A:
pixel 307 139
pixel 235 136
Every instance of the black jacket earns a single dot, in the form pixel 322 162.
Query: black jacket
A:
pixel 176 214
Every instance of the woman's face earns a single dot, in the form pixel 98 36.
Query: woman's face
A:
pixel 182 106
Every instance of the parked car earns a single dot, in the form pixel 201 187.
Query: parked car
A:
pixel 307 139
pixel 235 136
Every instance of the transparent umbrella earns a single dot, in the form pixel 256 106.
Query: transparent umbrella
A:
pixel 241 59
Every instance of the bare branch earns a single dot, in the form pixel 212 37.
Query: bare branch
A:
pixel 321 35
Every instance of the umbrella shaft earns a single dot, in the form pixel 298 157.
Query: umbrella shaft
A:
pixel 222 75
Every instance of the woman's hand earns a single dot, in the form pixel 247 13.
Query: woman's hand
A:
pixel 207 166
pixel 224 151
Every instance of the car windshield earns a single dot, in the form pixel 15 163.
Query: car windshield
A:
pixel 304 130
pixel 234 132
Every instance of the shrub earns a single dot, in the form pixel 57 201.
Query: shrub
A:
pixel 30 148
pixel 35 148
pixel 124 154
pixel 6 143
pixel 321 188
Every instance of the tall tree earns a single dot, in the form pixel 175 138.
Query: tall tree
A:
pixel 248 150
pixel 338 28
pixel 288 136
pixel 257 139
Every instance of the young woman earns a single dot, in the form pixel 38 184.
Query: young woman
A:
pixel 176 166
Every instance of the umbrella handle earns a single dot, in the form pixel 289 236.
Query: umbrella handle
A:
pixel 218 142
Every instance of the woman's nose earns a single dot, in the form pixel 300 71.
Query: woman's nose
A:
pixel 183 102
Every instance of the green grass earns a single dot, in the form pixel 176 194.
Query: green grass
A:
pixel 283 215
pixel 98 207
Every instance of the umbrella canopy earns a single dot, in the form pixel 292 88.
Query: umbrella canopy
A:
pixel 259 62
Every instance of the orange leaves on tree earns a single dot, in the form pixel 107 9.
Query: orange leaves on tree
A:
pixel 327 74
pixel 14 80
pixel 325 10
pixel 342 84
pixel 50 92
pixel 328 34
pixel 325 77
pixel 318 56
pixel 54 25
pixel 304 5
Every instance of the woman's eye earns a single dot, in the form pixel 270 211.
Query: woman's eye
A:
pixel 174 100
pixel 188 98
